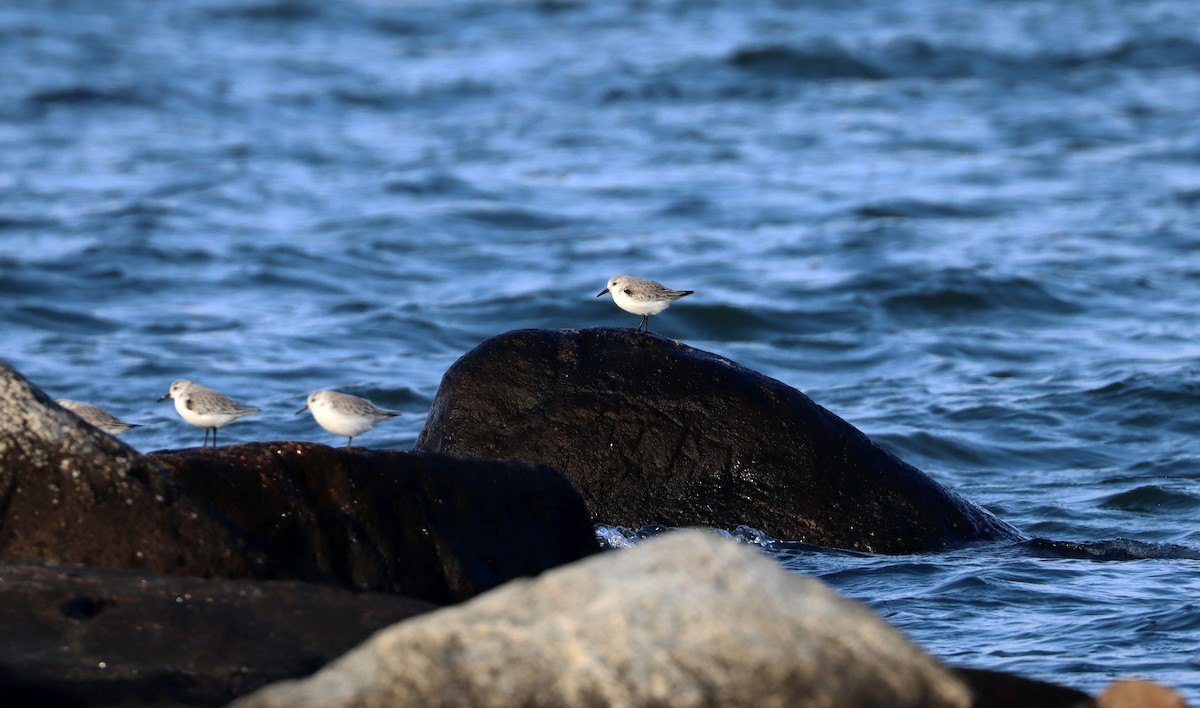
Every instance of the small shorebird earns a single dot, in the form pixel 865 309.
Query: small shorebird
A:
pixel 641 297
pixel 205 408
pixel 343 414
pixel 97 416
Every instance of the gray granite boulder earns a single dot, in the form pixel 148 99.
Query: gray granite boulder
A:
pixel 688 619
pixel 652 431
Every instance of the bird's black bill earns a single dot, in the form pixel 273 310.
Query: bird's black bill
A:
pixel 302 409
pixel 601 292
pixel 163 397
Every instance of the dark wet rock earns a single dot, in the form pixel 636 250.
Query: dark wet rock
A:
pixel 69 492
pixel 78 635
pixel 433 527
pixel 429 526
pixel 688 619
pixel 654 431
pixel 997 689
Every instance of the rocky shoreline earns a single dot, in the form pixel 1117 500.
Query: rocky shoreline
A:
pixel 195 577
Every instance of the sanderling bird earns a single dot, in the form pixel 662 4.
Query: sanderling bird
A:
pixel 641 297
pixel 343 414
pixel 97 416
pixel 205 408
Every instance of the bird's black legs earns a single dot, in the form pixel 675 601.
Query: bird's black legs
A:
pixel 644 323
pixel 205 438
pixel 348 440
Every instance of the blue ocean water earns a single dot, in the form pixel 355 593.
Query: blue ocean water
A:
pixel 968 227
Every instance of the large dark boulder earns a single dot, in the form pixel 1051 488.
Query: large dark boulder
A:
pixel 87 636
pixel 429 526
pixel 129 628
pixel 999 689
pixel 654 431
pixel 69 492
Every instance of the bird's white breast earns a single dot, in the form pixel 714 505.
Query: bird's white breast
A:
pixel 638 307
pixel 340 422
pixel 201 418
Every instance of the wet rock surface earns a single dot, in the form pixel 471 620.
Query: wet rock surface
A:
pixel 177 597
pixel 78 635
pixel 653 431
pixel 997 689
pixel 434 527
pixel 69 492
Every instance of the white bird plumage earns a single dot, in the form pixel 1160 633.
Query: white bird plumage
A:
pixel 205 408
pixel 643 297
pixel 343 414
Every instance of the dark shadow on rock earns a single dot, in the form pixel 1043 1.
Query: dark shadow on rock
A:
pixel 653 431
pixel 997 689
pixel 79 635
pixel 434 527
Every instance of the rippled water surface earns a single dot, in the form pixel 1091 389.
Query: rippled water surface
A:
pixel 968 227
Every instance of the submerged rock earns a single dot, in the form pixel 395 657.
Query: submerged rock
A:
pixel 653 431
pixel 688 619
pixel 434 527
pixel 77 635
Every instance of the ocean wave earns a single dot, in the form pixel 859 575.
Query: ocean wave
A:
pixel 1117 549
pixel 1143 387
pixel 766 71
pixel 510 218
pixel 435 183
pixel 1151 498
pixel 270 11
pixel 784 550
pixel 916 57
pixel 929 446
pixel 823 60
pixel 60 320
pixel 925 209
pixel 1144 401
pixel 952 292
pixel 86 95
